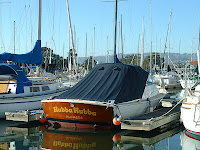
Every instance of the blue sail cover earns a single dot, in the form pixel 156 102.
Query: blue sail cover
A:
pixel 22 80
pixel 32 57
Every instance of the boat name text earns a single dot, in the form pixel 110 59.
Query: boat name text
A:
pixel 75 145
pixel 74 110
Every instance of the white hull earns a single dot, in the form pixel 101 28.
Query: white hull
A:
pixel 23 103
pixel 137 107
pixel 165 80
pixel 190 115
pixel 190 111
pixel 190 142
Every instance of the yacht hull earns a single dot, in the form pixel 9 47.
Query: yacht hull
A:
pixel 190 113
pixel 78 113
pixel 23 103
pixel 190 141
pixel 94 114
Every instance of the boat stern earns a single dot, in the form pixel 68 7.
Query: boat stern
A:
pixel 78 113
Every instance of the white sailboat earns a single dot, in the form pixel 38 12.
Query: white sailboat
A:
pixel 168 79
pixel 21 90
pixel 190 109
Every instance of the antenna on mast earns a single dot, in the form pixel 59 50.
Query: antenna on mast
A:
pixel 115 30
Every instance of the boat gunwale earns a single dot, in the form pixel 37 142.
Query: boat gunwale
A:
pixel 80 101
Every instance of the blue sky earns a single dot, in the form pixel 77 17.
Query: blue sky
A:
pixel 87 14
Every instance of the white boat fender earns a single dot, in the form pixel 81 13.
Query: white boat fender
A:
pixel 120 118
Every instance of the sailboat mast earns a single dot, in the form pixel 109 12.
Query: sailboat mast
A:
pixel 198 58
pixel 63 56
pixel 192 52
pixel 115 32
pixel 142 46
pixel 93 50
pixel 39 18
pixel 160 56
pixel 179 51
pixel 71 33
pixel 155 52
pixel 118 39
pixel 169 35
pixel 39 30
pixel 85 53
pixel 14 37
pixel 138 50
pixel 122 43
pixel 150 40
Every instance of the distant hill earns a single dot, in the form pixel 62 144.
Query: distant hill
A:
pixel 175 57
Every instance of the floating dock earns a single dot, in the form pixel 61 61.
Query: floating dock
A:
pixel 148 139
pixel 159 118
pixel 25 116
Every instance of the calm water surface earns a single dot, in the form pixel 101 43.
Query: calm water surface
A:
pixel 18 137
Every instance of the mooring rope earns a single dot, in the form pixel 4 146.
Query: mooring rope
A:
pixel 169 110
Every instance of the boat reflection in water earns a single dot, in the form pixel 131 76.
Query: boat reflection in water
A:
pixel 151 140
pixel 17 136
pixel 22 137
pixel 190 141
pixel 66 139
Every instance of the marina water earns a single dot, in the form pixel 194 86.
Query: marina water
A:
pixel 17 136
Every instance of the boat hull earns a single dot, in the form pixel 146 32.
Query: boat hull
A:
pixel 78 114
pixel 93 114
pixel 135 108
pixel 190 141
pixel 190 113
pixel 23 103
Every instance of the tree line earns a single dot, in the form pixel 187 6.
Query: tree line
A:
pixel 57 61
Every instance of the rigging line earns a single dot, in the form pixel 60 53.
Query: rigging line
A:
pixel 49 18
pixel 196 22
pixel 10 25
pixel 26 25
pixel 166 39
pixel 199 39
pixel 1 40
pixel 31 27
pixel 21 23
pixel 60 51
pixel 54 17
pixel 131 33
pixel 54 45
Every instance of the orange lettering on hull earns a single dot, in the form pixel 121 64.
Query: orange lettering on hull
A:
pixel 74 110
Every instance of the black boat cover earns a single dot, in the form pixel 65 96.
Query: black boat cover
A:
pixel 116 81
